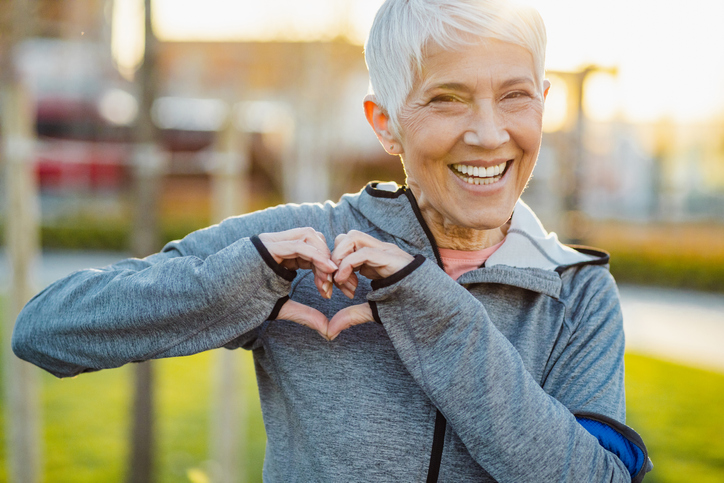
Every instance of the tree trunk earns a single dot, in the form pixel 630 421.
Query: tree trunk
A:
pixel 22 402
pixel 228 417
pixel 144 242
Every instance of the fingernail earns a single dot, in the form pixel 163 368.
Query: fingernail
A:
pixel 325 287
pixel 330 278
pixel 331 264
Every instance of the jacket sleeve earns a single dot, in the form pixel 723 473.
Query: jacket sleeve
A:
pixel 511 426
pixel 209 290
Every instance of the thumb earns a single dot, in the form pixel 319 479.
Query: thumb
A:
pixel 347 317
pixel 304 315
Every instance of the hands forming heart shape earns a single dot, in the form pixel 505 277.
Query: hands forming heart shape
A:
pixel 355 251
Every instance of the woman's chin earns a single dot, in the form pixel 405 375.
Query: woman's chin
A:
pixel 483 206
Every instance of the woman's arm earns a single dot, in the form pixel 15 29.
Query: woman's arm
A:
pixel 208 290
pixel 514 428
pixel 162 306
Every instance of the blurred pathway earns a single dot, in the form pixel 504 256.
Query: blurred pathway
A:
pixel 676 325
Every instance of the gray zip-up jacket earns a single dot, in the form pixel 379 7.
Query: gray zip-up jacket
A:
pixel 512 373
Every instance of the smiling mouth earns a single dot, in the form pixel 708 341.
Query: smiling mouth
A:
pixel 479 175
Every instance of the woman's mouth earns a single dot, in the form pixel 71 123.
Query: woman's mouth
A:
pixel 479 175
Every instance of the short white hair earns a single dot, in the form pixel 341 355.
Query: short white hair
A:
pixel 402 29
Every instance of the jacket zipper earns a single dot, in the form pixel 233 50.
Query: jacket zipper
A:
pixel 438 438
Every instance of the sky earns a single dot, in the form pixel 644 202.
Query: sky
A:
pixel 669 54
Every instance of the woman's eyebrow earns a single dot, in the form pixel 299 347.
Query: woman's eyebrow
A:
pixel 449 86
pixel 461 87
pixel 517 80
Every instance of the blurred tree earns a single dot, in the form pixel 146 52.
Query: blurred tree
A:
pixel 144 241
pixel 22 404
pixel 570 169
pixel 229 407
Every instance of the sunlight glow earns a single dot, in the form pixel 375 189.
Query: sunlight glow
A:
pixel 556 107
pixel 668 54
pixel 127 41
pixel 601 102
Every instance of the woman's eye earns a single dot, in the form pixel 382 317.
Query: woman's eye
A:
pixel 516 95
pixel 444 98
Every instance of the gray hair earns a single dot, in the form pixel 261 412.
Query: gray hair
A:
pixel 402 29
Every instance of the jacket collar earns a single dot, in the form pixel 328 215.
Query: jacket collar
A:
pixel 530 258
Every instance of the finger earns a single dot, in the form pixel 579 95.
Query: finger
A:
pixel 350 286
pixel 302 251
pixel 374 263
pixel 324 283
pixel 305 234
pixel 319 242
pixel 304 315
pixel 347 317
pixel 350 242
pixel 343 246
pixel 365 256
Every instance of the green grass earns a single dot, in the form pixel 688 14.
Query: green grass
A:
pixel 676 409
pixel 678 412
pixel 86 422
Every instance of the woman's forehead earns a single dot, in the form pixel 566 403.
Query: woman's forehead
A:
pixel 500 63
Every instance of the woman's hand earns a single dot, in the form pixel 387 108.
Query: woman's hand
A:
pixel 358 252
pixel 307 249
pixel 354 252
pixel 303 248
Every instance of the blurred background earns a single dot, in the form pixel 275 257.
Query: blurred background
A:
pixel 128 123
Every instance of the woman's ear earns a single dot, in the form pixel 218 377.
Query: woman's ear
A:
pixel 546 88
pixel 380 122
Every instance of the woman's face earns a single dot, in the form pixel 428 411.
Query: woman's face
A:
pixel 470 133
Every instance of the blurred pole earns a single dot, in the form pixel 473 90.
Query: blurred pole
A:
pixel 145 236
pixel 228 416
pixel 306 174
pixel 572 162
pixel 22 407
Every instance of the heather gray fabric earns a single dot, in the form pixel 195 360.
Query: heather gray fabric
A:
pixel 507 353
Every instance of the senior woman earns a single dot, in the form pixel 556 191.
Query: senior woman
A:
pixel 463 342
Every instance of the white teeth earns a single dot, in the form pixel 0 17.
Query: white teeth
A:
pixel 478 175
pixel 480 171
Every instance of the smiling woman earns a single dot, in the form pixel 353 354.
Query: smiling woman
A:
pixel 452 338
pixel 476 108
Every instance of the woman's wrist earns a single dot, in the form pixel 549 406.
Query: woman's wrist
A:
pixel 283 272
pixel 400 274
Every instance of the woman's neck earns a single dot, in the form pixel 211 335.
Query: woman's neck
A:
pixel 455 237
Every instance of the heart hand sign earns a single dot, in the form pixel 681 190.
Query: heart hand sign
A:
pixel 353 252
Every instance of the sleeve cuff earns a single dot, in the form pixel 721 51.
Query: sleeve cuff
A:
pixel 620 440
pixel 277 308
pixel 400 274
pixel 285 273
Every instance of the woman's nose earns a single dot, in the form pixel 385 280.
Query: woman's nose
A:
pixel 486 129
